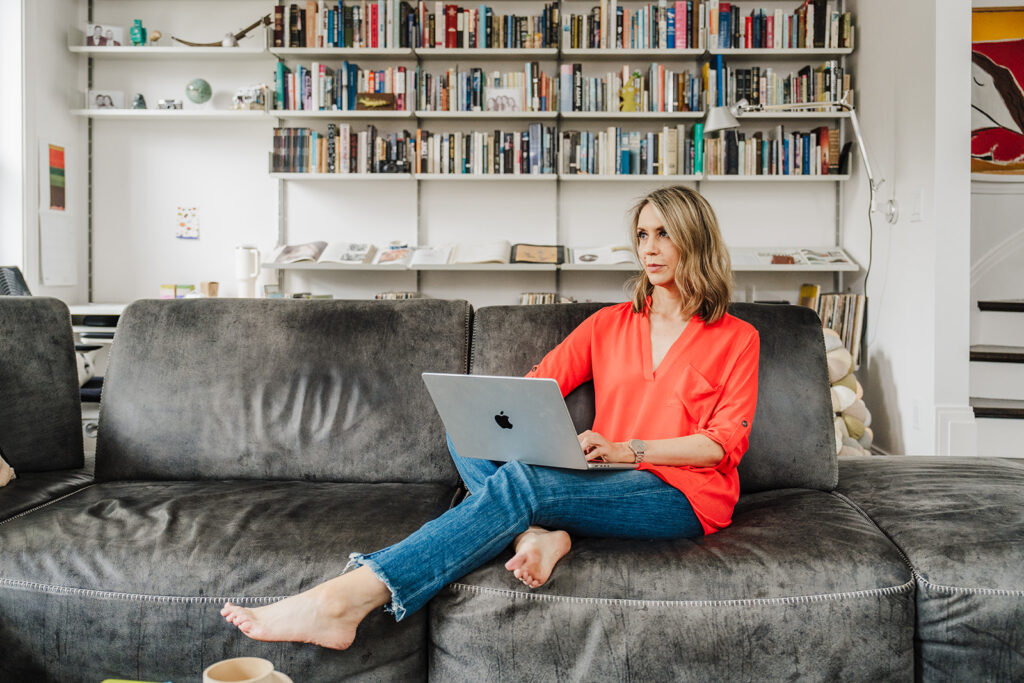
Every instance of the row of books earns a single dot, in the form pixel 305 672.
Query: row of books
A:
pixel 815 152
pixel 302 150
pixel 400 254
pixel 474 90
pixel 670 151
pixel 397 24
pixel 664 25
pixel 658 90
pixel 843 313
pixel 668 24
pixel 766 85
pixel 815 23
pixel 499 152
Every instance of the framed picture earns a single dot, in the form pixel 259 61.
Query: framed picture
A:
pixel 104 35
pixel 504 99
pixel 997 93
pixel 105 99
pixel 370 101
pixel 272 292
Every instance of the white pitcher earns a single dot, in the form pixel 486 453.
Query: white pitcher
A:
pixel 247 269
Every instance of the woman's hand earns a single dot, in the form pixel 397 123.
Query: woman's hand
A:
pixel 598 448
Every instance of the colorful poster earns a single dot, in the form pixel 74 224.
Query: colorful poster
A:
pixel 57 178
pixel 997 91
pixel 188 223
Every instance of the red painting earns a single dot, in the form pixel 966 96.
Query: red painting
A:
pixel 997 96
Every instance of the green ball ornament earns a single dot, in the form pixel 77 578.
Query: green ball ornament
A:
pixel 198 91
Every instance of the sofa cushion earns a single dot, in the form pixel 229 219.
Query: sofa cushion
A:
pixel 960 522
pixel 285 389
pixel 792 442
pixel 801 586
pixel 32 489
pixel 40 412
pixel 126 579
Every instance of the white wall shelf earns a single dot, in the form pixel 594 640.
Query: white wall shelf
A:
pixel 170 53
pixel 613 54
pixel 503 177
pixel 342 52
pixel 596 177
pixel 343 176
pixel 541 267
pixel 770 115
pixel 784 53
pixel 549 53
pixel 829 178
pixel 340 114
pixel 172 114
pixel 633 115
pixel 499 115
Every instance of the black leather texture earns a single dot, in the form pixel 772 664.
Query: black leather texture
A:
pixel 146 567
pixel 802 586
pixel 792 442
pixel 960 522
pixel 279 389
pixel 40 412
pixel 32 489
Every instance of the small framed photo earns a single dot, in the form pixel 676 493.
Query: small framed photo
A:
pixel 104 35
pixel 272 292
pixel 504 99
pixel 105 99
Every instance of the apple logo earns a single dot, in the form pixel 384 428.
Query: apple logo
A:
pixel 502 420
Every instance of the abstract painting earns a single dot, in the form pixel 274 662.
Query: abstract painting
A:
pixel 997 91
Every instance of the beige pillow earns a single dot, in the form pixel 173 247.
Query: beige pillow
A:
pixel 6 473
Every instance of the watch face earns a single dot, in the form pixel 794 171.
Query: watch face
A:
pixel 637 446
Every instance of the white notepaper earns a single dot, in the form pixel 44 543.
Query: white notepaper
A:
pixel 58 248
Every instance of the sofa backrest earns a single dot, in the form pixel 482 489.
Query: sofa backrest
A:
pixel 40 409
pixel 792 442
pixel 279 389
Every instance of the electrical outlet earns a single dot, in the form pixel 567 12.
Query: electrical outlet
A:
pixel 917 214
pixel 915 416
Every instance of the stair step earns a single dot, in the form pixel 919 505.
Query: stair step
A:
pixel 1000 438
pixel 1004 328
pixel 996 380
pixel 1008 305
pixel 998 408
pixel 989 353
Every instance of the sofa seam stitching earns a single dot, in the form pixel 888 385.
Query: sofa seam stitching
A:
pixel 789 600
pixel 966 589
pixel 46 504
pixel 134 597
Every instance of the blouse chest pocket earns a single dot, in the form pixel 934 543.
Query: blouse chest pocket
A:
pixel 696 395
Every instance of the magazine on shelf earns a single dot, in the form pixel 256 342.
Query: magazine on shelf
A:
pixel 482 252
pixel 790 257
pixel 538 253
pixel 324 252
pixel 397 255
pixel 431 256
pixel 603 256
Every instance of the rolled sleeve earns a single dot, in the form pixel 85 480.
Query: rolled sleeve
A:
pixel 730 422
pixel 569 363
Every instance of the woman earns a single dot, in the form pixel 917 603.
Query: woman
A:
pixel 675 382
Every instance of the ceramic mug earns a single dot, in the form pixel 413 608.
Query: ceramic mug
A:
pixel 240 670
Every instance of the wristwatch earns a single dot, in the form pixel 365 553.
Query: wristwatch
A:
pixel 639 448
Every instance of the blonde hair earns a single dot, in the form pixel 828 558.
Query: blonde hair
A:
pixel 704 272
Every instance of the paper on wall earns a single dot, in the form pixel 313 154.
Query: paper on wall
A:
pixel 58 248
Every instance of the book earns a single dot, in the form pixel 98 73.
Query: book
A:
pixel 604 256
pixel 395 255
pixel 537 253
pixel 809 296
pixel 482 252
pixel 431 256
pixel 322 252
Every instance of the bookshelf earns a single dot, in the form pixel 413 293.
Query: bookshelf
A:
pixel 564 188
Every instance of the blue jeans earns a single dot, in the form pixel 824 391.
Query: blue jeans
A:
pixel 505 499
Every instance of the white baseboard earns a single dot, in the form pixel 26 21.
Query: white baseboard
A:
pixel 956 431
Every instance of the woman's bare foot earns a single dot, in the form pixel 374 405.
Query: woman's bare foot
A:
pixel 325 615
pixel 537 553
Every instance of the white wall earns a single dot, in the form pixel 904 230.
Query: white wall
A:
pixel 11 182
pixel 916 376
pixel 51 72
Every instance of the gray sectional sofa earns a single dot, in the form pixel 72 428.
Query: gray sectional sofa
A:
pixel 246 447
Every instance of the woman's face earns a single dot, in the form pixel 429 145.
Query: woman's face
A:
pixel 655 250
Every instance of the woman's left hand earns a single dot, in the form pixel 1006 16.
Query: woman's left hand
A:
pixel 598 448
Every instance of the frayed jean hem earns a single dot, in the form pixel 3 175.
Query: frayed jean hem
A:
pixel 394 607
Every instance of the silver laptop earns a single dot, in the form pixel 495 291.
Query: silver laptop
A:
pixel 509 418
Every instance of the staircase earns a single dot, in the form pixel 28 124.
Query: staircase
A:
pixel 997 379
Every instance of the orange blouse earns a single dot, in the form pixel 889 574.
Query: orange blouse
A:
pixel 705 384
